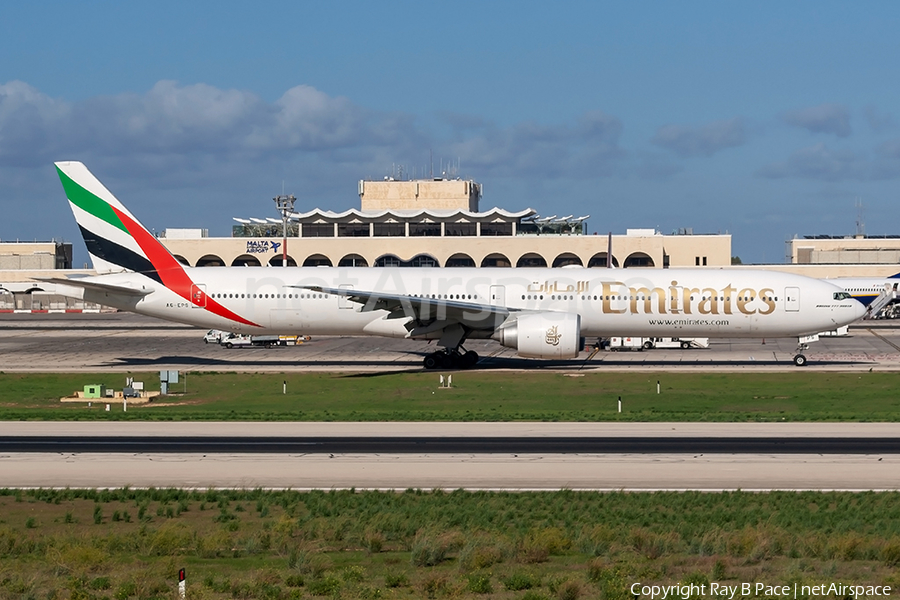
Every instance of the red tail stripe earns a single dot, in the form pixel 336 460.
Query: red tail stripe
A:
pixel 171 272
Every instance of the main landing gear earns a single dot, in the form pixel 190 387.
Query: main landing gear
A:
pixel 451 359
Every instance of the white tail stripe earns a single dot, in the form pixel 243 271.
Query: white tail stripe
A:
pixel 78 173
pixel 103 229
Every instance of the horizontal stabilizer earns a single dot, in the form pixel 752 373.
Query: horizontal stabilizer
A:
pixel 97 287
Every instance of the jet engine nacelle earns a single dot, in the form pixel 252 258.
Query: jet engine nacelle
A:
pixel 543 335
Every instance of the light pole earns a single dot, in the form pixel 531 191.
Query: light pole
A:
pixel 285 205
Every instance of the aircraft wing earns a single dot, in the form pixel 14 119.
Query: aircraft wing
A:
pixel 426 314
pixel 95 286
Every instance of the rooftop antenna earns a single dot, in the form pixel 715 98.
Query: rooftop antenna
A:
pixel 860 224
pixel 285 205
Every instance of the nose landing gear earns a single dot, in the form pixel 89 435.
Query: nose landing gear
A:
pixel 800 358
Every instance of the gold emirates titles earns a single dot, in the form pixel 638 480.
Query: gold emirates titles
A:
pixel 675 300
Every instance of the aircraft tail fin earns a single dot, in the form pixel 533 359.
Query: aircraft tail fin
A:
pixel 115 239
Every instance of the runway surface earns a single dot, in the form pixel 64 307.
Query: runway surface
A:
pixel 521 472
pixel 451 445
pixel 125 342
pixel 866 466
pixel 510 456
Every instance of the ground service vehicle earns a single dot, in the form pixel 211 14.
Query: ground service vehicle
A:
pixel 674 342
pixel 239 340
pixel 626 343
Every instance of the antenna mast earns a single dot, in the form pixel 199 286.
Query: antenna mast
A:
pixel 860 224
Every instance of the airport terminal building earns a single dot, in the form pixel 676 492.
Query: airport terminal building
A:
pixel 438 223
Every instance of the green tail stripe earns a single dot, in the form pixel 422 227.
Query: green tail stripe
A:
pixel 88 202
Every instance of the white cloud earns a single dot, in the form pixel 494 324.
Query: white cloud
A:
pixel 588 149
pixel 825 118
pixel 817 162
pixel 704 140
pixel 175 127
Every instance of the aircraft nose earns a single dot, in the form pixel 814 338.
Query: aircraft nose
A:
pixel 859 309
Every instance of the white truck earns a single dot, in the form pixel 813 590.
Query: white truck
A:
pixel 213 335
pixel 240 340
pixel 674 342
pixel 625 343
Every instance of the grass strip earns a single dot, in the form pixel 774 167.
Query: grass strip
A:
pixel 475 396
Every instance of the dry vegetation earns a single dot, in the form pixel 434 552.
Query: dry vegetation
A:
pixel 123 544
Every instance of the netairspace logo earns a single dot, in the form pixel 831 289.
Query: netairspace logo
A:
pixel 750 590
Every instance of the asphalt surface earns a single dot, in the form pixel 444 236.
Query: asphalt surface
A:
pixel 478 456
pixel 451 445
pixel 123 342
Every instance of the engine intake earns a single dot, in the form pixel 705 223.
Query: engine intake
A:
pixel 543 335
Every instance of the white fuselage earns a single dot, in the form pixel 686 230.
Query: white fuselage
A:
pixel 633 302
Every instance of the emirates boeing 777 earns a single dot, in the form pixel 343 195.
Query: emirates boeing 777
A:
pixel 541 313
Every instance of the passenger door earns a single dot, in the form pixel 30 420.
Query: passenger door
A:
pixel 498 295
pixel 791 299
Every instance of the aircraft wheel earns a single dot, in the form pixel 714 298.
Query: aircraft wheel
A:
pixel 800 360
pixel 431 361
pixel 685 345
pixel 470 358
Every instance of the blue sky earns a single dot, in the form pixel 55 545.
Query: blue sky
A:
pixel 762 119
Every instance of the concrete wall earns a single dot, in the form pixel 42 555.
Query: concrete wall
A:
pixel 682 250
pixel 444 194
pixel 845 251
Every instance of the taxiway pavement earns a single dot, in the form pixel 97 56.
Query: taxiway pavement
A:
pixel 125 342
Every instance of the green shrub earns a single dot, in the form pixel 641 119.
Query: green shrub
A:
pixel 890 552
pixel 539 545
pixel 373 542
pixel 395 580
pixel 353 573
pixel 570 590
pixel 520 580
pixel 435 585
pixel 480 553
pixel 429 550
pixel 326 586
pixel 100 583
pixel 479 583
pixel 170 539
pixel 719 571
pixel 126 590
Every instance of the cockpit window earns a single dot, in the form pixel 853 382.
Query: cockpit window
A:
pixel 842 296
